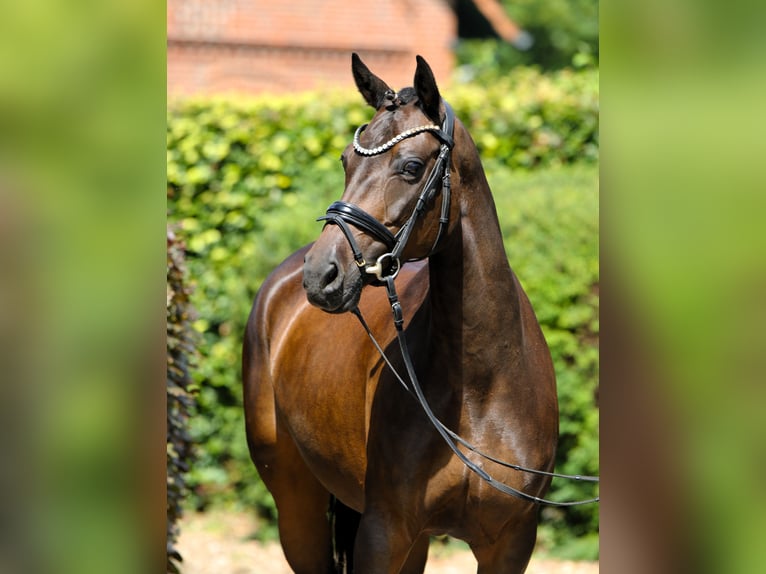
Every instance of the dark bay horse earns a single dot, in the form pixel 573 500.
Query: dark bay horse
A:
pixel 327 420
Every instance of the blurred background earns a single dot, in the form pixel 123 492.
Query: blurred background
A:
pixel 84 181
pixel 261 104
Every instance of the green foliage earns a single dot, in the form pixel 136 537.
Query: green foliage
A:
pixel 180 340
pixel 246 182
pixel 247 179
pixel 528 119
pixel 565 33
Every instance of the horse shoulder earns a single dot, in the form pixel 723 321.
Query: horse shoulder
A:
pixel 265 326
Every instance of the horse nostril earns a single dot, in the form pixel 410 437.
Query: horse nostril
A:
pixel 331 274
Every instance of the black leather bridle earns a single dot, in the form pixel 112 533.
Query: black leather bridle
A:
pixel 345 214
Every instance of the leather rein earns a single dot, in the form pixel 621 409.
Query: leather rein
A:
pixel 344 214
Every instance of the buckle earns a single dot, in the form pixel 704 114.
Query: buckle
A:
pixel 377 269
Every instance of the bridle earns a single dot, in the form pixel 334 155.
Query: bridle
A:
pixel 344 214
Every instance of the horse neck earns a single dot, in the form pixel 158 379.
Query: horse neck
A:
pixel 477 316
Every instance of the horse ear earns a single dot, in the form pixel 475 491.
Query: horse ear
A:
pixel 372 88
pixel 427 90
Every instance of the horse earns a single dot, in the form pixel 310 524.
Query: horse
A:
pixel 333 428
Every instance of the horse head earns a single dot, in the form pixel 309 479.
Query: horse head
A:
pixel 395 168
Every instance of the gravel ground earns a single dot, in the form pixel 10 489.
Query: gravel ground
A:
pixel 222 543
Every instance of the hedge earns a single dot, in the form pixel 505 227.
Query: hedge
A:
pixel 180 353
pixel 247 179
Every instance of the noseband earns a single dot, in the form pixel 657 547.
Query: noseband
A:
pixel 344 214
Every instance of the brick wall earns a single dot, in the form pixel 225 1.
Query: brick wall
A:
pixel 266 46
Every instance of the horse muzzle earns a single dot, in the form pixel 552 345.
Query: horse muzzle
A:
pixel 331 285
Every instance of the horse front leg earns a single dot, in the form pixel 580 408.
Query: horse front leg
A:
pixel 510 552
pixel 416 561
pixel 302 505
pixel 384 545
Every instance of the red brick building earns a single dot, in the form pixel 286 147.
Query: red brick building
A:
pixel 277 46
pixel 257 46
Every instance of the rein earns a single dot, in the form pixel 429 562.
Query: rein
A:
pixel 450 437
pixel 344 214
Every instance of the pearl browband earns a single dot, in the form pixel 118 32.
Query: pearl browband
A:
pixel 392 142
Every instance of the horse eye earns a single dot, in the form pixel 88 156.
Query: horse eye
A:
pixel 412 167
